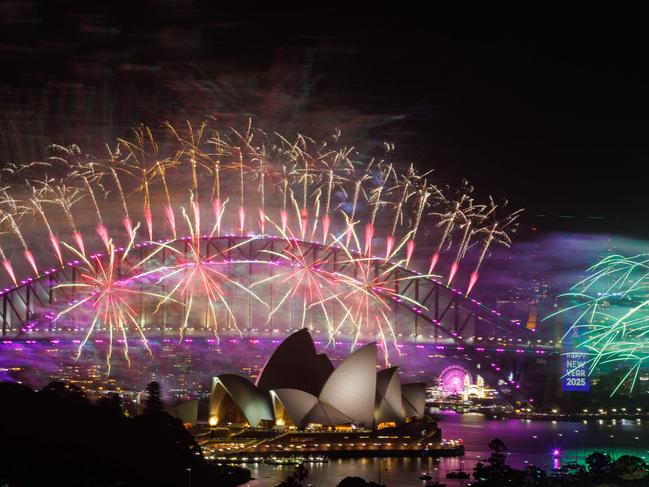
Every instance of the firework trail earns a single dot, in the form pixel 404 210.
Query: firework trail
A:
pixel 358 186
pixel 120 191
pixel 143 164
pixel 498 231
pixel 101 229
pixel 375 200
pixel 336 168
pixel 4 216
pixel 470 217
pixel 447 221
pixel 56 245
pixel 66 197
pixel 6 263
pixel 26 252
pixel 403 188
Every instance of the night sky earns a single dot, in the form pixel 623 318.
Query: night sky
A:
pixel 547 108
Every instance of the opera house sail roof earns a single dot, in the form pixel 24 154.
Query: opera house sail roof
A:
pixel 295 364
pixel 299 387
pixel 238 399
pixel 389 401
pixel 351 388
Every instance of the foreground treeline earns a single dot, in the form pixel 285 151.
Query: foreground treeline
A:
pixel 600 470
pixel 300 476
pixel 56 436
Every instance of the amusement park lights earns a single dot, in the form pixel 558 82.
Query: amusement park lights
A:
pixel 203 182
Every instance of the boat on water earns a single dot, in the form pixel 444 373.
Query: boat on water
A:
pixel 316 459
pixel 234 460
pixel 284 461
pixel 425 476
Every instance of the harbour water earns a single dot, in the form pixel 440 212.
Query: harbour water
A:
pixel 528 442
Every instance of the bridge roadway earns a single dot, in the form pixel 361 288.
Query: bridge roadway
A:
pixel 436 310
pixel 72 337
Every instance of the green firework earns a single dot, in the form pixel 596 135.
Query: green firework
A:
pixel 610 310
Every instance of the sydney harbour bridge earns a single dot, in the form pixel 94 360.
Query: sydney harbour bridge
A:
pixel 317 235
pixel 425 316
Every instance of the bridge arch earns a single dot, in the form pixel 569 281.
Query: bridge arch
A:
pixel 439 314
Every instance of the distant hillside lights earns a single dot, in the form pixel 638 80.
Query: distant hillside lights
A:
pixel 299 389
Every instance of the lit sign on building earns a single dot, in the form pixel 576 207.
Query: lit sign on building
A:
pixel 575 372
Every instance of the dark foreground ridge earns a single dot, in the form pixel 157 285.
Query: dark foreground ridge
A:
pixel 56 436
pixel 600 471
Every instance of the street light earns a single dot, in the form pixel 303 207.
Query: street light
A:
pixel 189 477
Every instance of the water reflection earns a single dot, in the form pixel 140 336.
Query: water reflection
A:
pixel 544 443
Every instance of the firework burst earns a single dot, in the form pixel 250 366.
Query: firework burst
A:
pixel 197 274
pixel 301 274
pixel 369 293
pixel 112 300
pixel 246 180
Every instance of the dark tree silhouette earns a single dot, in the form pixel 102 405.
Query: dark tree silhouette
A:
pixel 598 463
pixel 153 402
pixel 626 470
pixel 499 449
pixel 58 437
pixel 297 478
pixel 497 472
pixel 111 405
pixel 357 482
pixel 67 392
pixel 629 467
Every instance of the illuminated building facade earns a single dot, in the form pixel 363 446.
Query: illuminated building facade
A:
pixel 300 388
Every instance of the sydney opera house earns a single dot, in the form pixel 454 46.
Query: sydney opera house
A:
pixel 299 388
